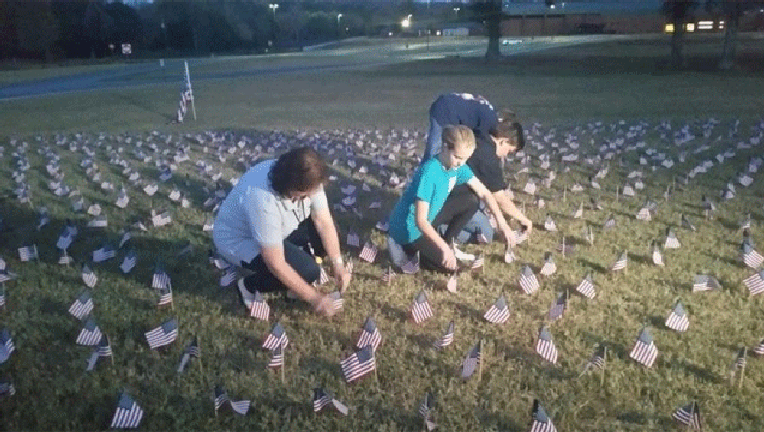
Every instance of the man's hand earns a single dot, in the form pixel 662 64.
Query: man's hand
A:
pixel 324 305
pixel 509 236
pixel 528 225
pixel 341 276
pixel 448 258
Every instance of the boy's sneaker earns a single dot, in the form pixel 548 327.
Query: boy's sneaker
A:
pixel 246 296
pixel 463 256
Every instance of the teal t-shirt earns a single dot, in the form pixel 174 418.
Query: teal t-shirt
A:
pixel 431 183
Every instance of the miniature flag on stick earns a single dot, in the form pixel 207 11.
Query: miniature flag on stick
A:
pixel 751 258
pixel 447 338
pixel 755 283
pixel 128 414
pixel 163 335
pixel 277 358
pixel 88 276
pixel 541 422
pixel 528 282
pixel 192 350
pixel 671 241
pixel 369 335
pixel 498 313
pixel 472 362
pixel 597 361
pixel 688 415
pixel 425 410
pixel 90 334
pixel 277 337
pixel 103 350
pixel 657 256
pixel 586 287
pixel 222 400
pixel 322 399
pixel 358 364
pixel 549 268
pixel 705 283
pixel 545 346
pixel 165 296
pixel 420 309
pixel 558 306
pixel 644 351
pixel 369 252
pixel 621 263
pixel 6 345
pixel 82 306
pixel 677 319
pixel 259 308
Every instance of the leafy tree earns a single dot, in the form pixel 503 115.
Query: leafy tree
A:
pixel 490 12
pixel 732 10
pixel 677 12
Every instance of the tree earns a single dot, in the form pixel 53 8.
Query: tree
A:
pixel 677 12
pixel 490 12
pixel 732 10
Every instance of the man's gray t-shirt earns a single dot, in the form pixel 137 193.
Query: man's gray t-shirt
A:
pixel 253 215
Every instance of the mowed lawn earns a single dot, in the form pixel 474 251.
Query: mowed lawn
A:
pixel 583 95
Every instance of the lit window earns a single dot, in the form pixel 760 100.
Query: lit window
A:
pixel 669 28
pixel 690 27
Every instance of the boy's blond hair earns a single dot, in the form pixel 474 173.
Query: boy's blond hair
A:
pixel 458 137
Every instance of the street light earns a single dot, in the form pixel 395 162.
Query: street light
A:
pixel 273 7
pixel 406 23
pixel 339 28
pixel 456 12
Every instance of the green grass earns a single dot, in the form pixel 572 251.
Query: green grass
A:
pixel 48 367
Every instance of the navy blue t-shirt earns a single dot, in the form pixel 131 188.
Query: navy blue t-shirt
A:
pixel 473 111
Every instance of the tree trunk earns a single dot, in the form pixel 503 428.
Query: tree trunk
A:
pixel 677 44
pixel 730 39
pixel 494 34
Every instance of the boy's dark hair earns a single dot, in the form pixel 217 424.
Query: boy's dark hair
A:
pixel 298 170
pixel 511 130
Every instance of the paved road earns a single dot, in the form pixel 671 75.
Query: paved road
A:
pixel 354 55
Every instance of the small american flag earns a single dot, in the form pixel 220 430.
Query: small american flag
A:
pixel 644 351
pixel 90 334
pixel 2 295
pixel 126 236
pixel 705 283
pixel 509 256
pixel 740 360
pixel 88 276
pixel 471 363
pixel 128 414
pixel 103 350
pixel 222 400
pixel 411 266
pixel 751 258
pixel 528 282
pixel 128 264
pixel 621 263
pixel 657 256
pixel 545 346
pixel 677 319
pixel 481 238
pixel 337 300
pixel 558 306
pixel 478 263
pixel 322 398
pixel 277 337
pixel 644 214
pixel 498 313
pixel 7 389
pixel 447 338
pixel 28 253
pixel 579 212
pixel 192 350
pixel 65 239
pixel 82 306
pixel 609 222
pixel 104 253
pixel 369 252
pixel 65 259
pixel 358 364
pixel 671 241
pixel 98 222
pixel 228 277
pixel 161 219
pixel 259 308
pixel 586 287
pixel 277 358
pixel 425 410
pixel 759 349
pixel 755 283
pixel 161 279
pixel 323 277
pixel 165 296
pixel 541 422
pixel 420 309
pixel 6 345
pixel 388 275
pixel 688 415
pixel 163 335
pixel 687 224
pixel 628 190
pixel 353 239
pixel 597 361
pixel 369 335
pixel 549 224
pixel 549 268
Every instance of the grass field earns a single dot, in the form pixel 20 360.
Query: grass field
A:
pixel 364 114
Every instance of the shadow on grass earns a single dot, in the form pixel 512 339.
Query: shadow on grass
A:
pixel 594 266
pixel 702 373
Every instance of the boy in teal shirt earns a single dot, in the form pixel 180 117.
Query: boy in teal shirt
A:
pixel 440 194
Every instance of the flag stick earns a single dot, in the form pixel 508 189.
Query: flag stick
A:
pixel 283 365
pixel 616 193
pixel 602 371
pixel 563 246
pixel 564 193
pixel 742 370
pixel 523 207
pixel 692 414
pixel 481 359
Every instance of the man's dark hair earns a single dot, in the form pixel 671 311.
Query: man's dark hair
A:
pixel 511 130
pixel 298 170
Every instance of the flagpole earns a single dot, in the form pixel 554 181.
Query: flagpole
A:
pixel 742 370
pixel 481 359
pixel 604 361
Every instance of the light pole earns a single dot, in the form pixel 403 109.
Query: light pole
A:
pixel 273 7
pixel 339 29
pixel 456 12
